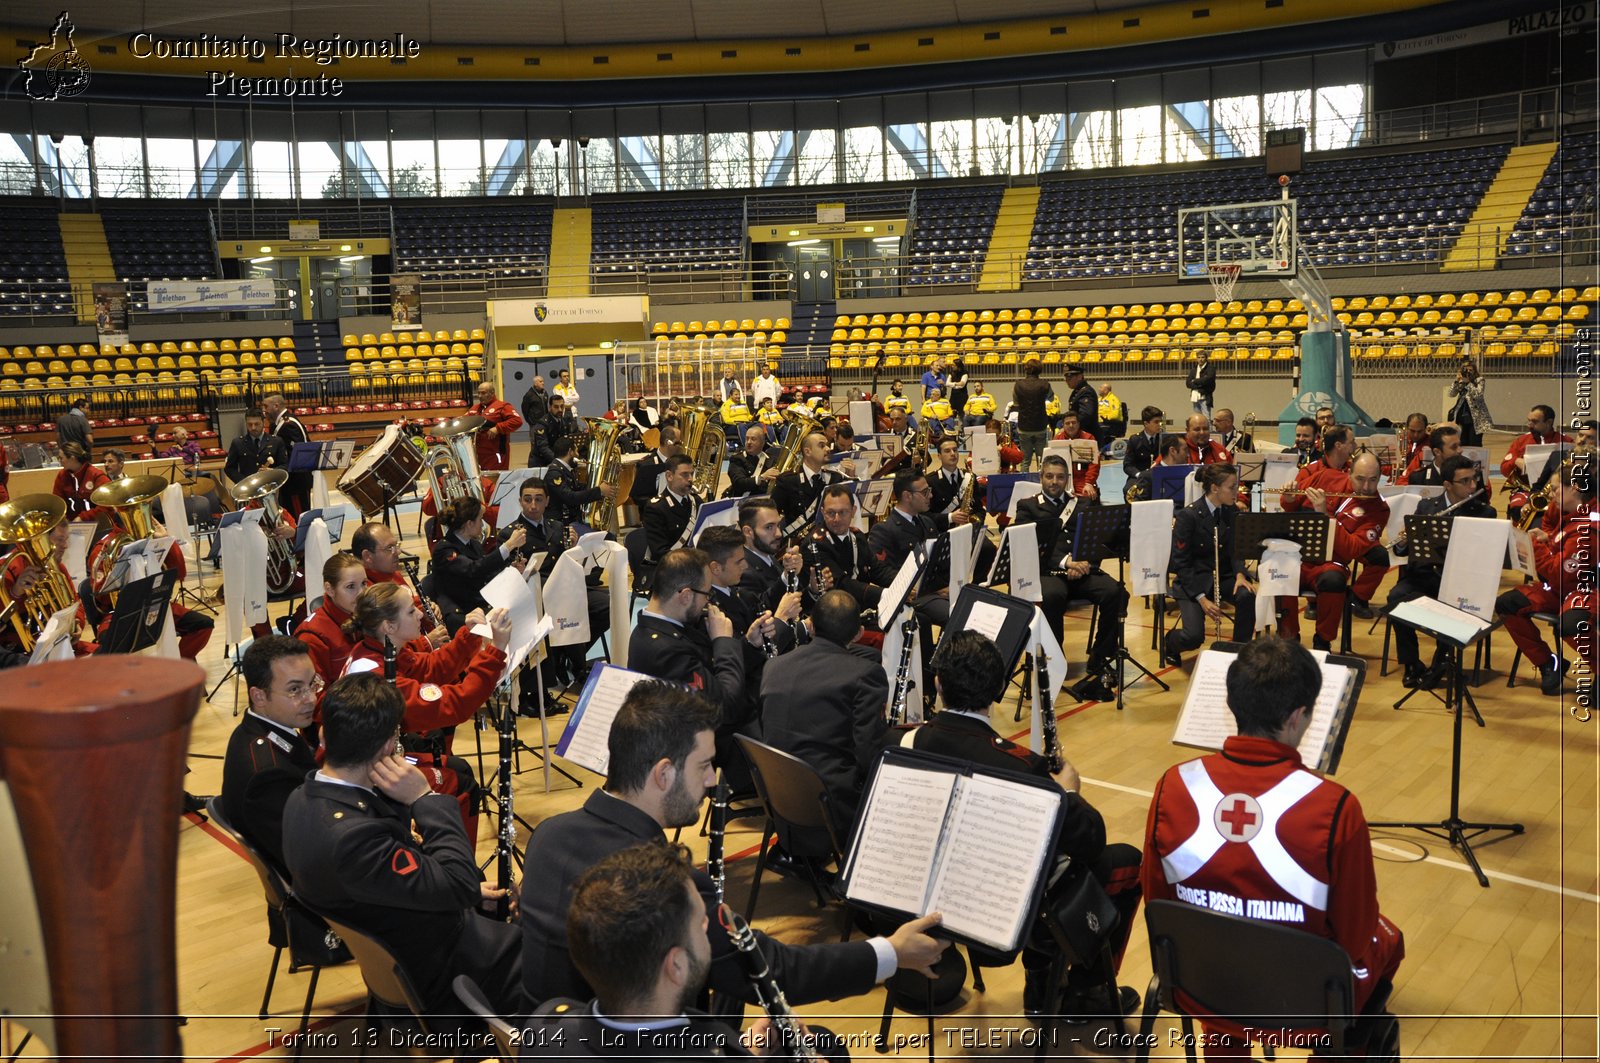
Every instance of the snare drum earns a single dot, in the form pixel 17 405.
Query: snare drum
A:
pixel 383 472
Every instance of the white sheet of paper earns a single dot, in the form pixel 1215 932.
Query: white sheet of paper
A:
pixel 1467 582
pixel 1537 456
pixel 1403 501
pixel 1519 554
pixel 986 619
pixel 55 641
pixel 896 596
pixel 898 838
pixel 961 556
pixel 991 860
pixel 509 591
pixel 587 741
pixel 1435 615
pixel 1020 490
pixel 1207 722
pixel 1279 472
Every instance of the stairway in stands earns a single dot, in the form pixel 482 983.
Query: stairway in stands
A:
pixel 805 352
pixel 83 239
pixel 318 344
pixel 1008 244
pixel 1483 238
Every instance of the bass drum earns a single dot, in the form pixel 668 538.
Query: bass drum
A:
pixel 383 472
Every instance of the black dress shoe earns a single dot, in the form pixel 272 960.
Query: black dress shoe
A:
pixel 1172 657
pixel 1360 608
pixel 1092 1003
pixel 1550 676
pixel 1091 688
pixel 1320 643
pixel 1435 676
pixel 1413 675
pixel 194 803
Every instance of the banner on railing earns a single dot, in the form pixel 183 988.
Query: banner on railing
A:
pixel 599 310
pixel 166 296
pixel 111 313
pixel 405 301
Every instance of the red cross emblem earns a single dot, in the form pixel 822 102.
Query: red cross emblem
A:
pixel 1237 817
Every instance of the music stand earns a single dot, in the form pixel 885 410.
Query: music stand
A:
pixel 1166 481
pixel 1104 532
pixel 141 613
pixel 1458 832
pixel 1004 620
pixel 1429 536
pixel 1314 533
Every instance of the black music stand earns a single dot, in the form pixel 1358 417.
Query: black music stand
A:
pixel 141 613
pixel 1310 530
pixel 1015 630
pixel 1458 832
pixel 1429 536
pixel 1103 533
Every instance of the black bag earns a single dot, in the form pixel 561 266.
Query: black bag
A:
pixel 1078 914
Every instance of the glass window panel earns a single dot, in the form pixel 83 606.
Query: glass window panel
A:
pixel 900 140
pixel 542 162
pixel 228 184
pixel 1238 119
pixel 119 167
pixel 321 177
pixel 815 164
pixel 768 144
pixel 683 163
pixel 1092 146
pixel 1340 110
pixel 372 162
pixel 729 158
pixel 67 162
pixel 16 168
pixel 1139 133
pixel 171 162
pixel 1037 136
pixel 412 169
pixel 1285 110
pixel 269 163
pixel 1188 131
pixel 863 154
pixel 952 147
pixel 997 146
pixel 639 160
pixel 599 166
pixel 461 167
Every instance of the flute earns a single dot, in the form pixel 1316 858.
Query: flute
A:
pixel 1287 491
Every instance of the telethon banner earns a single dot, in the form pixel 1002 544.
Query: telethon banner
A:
pixel 169 296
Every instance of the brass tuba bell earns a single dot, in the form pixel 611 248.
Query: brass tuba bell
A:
pixel 452 463
pixel 26 523
pixel 131 497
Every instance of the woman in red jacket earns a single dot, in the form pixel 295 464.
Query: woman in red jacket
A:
pixel 343 579
pixel 76 482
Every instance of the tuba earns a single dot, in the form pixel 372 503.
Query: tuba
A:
pixel 25 523
pixel 605 467
pixel 452 462
pixel 263 487
pixel 800 421
pixel 131 498
pixel 705 444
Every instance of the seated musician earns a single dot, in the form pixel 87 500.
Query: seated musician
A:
pixel 430 509
pixel 76 481
pixel 1306 448
pixel 753 466
pixel 936 415
pixel 1233 440
pixel 1170 453
pixel 379 550
pixel 357 859
pixel 268 757
pixel 958 495
pixel 649 474
pixel 1411 448
pixel 825 703
pixel 1144 447
pixel 1200 448
pixel 322 632
pixel 1063 579
pixel 970 674
pixel 668 518
pixel 568 501
pixel 1417 578
pixel 907 527
pixel 1329 473
pixel 21 574
pixel 836 554
pixel 542 535
pixel 1565 563
pixel 461 565
pixel 1445 443
pixel 1085 474
pixel 1359 517
pixel 1514 466
pixel 1309 865
pixel 797 493
pixel 1203 563
pixel 771 578
pixel 725 547
pixel 441 688
pixel 192 627
pixel 979 407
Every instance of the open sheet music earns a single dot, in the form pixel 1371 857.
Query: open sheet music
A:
pixel 939 835
pixel 586 741
pixel 1207 722
pixel 1437 618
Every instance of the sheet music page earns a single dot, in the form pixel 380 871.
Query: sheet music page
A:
pixel 1402 503
pixel 992 858
pixel 56 637
pixel 1519 554
pixel 896 593
pixel 586 741
pixel 892 860
pixel 1436 616
pixel 1536 457
pixel 1205 720
pixel 518 654
pixel 1336 680
pixel 509 591
pixel 986 619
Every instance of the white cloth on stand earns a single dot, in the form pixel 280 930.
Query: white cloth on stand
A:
pixel 1150 545
pixel 319 490
pixel 318 550
pixel 1278 575
pixel 175 515
pixel 893 645
pixel 1472 564
pixel 244 573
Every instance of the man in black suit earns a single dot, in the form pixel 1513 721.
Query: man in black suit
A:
pixel 567 498
pixel 772 569
pixel 836 554
pixel 951 484
pixel 681 637
pixel 668 518
pixel 295 494
pixel 1445 442
pixel 349 843
pixel 1082 400
pixel 1063 579
pixel 752 470
pixel 649 476
pixel 255 450
pixel 662 755
pixel 825 704
pixel 1202 540
pixel 908 527
pixel 1145 447
pixel 725 547
pixel 796 493
pixel 557 425
pixel 267 757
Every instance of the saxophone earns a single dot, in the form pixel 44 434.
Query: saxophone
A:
pixel 792 1043
pixel 1538 501
pixel 605 468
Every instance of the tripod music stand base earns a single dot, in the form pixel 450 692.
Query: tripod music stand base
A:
pixel 1459 834
pixel 1443 699
pixel 1124 658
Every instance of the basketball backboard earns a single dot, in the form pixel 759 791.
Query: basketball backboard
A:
pixel 1262 239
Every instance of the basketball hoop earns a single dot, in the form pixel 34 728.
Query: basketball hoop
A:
pixel 1223 277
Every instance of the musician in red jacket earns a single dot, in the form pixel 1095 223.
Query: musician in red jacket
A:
pixel 76 482
pixel 19 575
pixel 1329 473
pixel 343 580
pixel 1250 831
pixel 1565 562
pixel 1541 430
pixel 441 688
pixel 1358 520
pixel 1199 447
pixel 1412 445
pixel 494 441
pixel 1085 474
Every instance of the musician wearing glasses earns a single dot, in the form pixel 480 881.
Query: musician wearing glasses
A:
pixel 1463 497
pixel 1063 578
pixel 1359 517
pixel 268 757
pixel 1445 443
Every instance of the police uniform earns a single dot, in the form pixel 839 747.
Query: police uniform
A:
pixel 1201 541
pixel 550 538
pixel 1142 451
pixel 1249 831
pixel 666 520
pixel 745 469
pixel 249 454
pixel 460 571
pixel 569 1029
pixel 648 479
pixel 797 494
pixel 265 763
pixel 766 582
pixel 1055 545
pixel 663 649
pixel 295 494
pixel 354 859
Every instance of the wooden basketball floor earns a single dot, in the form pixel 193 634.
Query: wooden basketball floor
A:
pixel 1507 972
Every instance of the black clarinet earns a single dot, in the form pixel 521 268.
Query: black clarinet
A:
pixel 1047 719
pixel 902 674
pixel 389 656
pixel 716 866
pixel 791 1040
pixel 508 819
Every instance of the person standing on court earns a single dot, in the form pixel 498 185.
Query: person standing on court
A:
pixel 1202 382
pixel 1029 396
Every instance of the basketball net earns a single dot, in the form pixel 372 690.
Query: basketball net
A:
pixel 1223 278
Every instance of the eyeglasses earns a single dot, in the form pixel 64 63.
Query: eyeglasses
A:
pixel 921 490
pixel 1468 482
pixel 300 690
pixel 697 590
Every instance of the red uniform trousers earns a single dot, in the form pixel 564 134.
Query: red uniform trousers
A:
pixel 1576 620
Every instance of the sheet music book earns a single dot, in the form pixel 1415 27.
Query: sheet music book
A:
pixel 1206 721
pixel 1437 618
pixel 897 594
pixel 508 487
pixel 336 457
pixel 723 512
pixel 586 739
pixel 940 835
pixel 55 641
pixel 1519 554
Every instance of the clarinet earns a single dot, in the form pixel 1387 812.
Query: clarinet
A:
pixel 902 674
pixel 792 1042
pixel 1047 721
pixel 716 866
pixel 389 655
pixel 508 819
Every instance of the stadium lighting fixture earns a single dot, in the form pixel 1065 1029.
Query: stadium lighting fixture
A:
pixel 804 243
